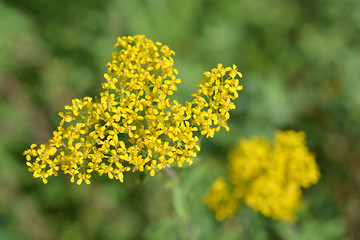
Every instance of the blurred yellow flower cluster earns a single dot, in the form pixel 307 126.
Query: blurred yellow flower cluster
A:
pixel 267 178
pixel 133 125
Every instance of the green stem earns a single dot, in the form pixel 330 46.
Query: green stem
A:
pixel 180 204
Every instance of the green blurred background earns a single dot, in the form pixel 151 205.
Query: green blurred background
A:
pixel 301 66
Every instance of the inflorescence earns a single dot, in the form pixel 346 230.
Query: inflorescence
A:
pixel 267 178
pixel 133 125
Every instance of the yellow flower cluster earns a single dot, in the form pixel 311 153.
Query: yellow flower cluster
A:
pixel 133 125
pixel 267 178
pixel 221 200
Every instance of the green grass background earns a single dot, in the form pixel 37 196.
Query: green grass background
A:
pixel 301 65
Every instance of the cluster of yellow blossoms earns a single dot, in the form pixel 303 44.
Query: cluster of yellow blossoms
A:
pixel 133 125
pixel 267 178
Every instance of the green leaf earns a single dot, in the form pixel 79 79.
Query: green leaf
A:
pixel 180 204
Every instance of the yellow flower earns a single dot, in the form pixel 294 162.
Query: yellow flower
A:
pixel 133 125
pixel 277 201
pixel 246 161
pixel 290 147
pixel 269 178
pixel 220 200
